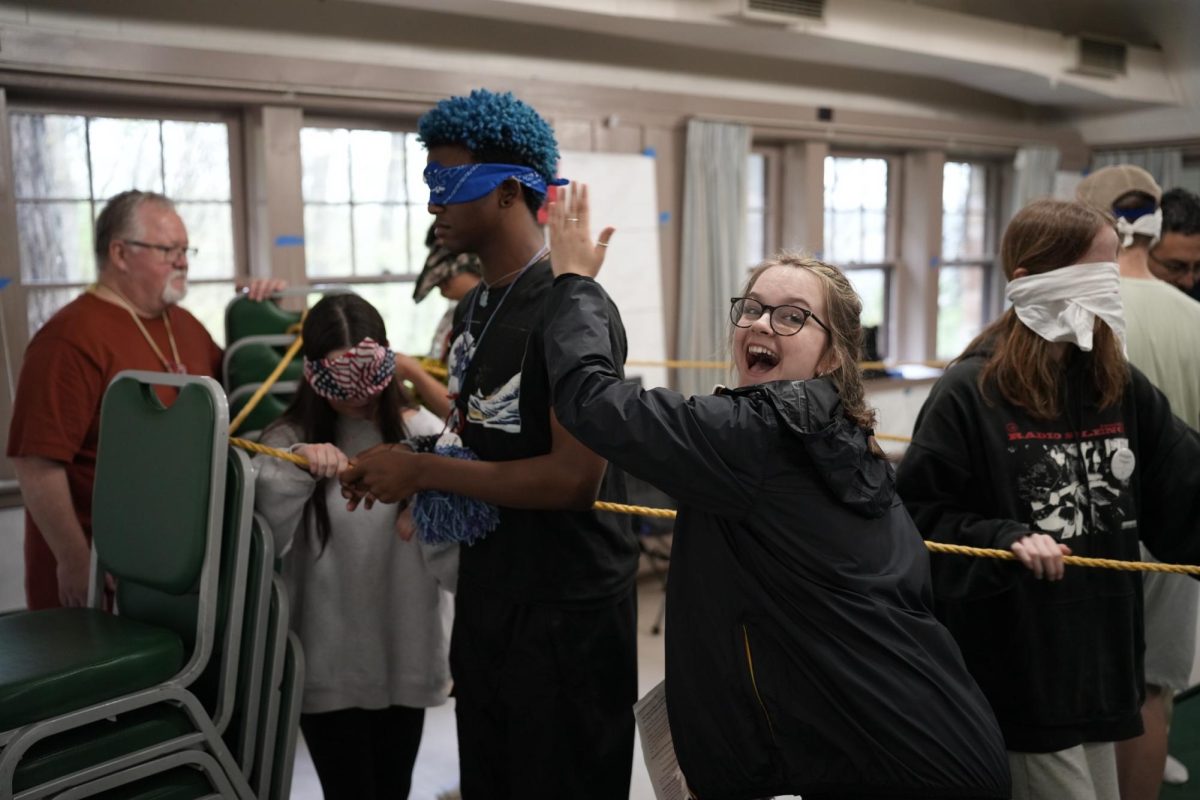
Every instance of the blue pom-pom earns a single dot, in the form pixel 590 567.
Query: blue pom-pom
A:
pixel 444 518
pixel 493 121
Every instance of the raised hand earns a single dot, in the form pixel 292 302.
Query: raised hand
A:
pixel 572 250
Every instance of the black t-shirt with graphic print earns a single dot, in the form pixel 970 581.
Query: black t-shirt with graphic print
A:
pixel 502 413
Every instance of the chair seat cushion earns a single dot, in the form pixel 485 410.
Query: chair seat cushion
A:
pixel 64 659
pixel 105 740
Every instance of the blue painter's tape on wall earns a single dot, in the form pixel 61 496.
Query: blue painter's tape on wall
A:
pixel 289 241
pixel 934 261
pixel 664 217
pixel 5 282
pixel 650 151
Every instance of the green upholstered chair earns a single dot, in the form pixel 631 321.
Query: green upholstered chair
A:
pixel 291 695
pixel 245 317
pixel 183 775
pixel 251 359
pixel 241 735
pixel 269 408
pixel 157 527
pixel 278 620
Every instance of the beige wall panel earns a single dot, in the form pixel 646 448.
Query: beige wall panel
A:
pixel 274 196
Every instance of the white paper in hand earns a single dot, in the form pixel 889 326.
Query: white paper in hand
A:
pixel 658 749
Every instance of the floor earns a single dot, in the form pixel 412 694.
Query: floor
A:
pixel 436 771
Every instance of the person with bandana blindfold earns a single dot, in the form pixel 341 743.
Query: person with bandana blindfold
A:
pixel 371 608
pixel 543 651
pixel 1043 440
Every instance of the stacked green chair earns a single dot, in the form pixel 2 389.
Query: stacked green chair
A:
pixel 160 486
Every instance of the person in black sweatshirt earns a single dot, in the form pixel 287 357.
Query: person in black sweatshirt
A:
pixel 1041 439
pixel 802 654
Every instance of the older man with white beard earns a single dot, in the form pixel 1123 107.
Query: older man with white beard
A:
pixel 128 319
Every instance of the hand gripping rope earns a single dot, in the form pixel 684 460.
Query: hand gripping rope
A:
pixel 435 368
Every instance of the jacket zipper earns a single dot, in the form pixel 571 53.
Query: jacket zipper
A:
pixel 754 682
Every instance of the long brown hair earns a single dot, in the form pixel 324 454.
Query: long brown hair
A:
pixel 843 312
pixel 1044 236
pixel 338 321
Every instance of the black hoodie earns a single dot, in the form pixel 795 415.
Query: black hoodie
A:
pixel 802 653
pixel 1061 662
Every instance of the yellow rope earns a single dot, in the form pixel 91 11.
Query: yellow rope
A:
pixel 935 547
pixel 685 364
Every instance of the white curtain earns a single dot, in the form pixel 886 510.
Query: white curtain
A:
pixel 714 213
pixel 1164 163
pixel 1034 169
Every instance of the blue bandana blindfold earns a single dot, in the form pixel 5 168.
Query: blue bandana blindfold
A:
pixel 462 184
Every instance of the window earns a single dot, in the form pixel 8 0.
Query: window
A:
pixel 756 208
pixel 365 223
pixel 966 257
pixel 66 166
pixel 858 230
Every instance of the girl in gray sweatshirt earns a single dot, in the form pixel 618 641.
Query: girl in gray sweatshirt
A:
pixel 372 610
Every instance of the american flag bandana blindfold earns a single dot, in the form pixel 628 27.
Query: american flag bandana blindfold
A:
pixel 363 371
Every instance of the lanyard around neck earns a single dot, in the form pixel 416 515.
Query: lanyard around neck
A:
pixel 166 318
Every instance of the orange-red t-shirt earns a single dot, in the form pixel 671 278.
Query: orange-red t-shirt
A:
pixel 67 367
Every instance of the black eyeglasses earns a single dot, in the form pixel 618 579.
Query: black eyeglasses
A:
pixel 170 252
pixel 785 320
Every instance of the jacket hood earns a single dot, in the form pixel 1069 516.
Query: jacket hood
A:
pixel 811 411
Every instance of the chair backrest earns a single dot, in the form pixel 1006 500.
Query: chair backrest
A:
pixel 245 317
pixel 253 358
pixel 291 696
pixel 217 685
pixel 269 408
pixel 157 506
pixel 268 721
pixel 241 734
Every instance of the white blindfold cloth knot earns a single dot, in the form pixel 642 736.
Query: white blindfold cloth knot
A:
pixel 1062 305
pixel 1147 225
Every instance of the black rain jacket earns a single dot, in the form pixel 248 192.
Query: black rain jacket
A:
pixel 802 654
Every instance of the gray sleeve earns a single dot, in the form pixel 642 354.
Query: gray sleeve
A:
pixel 281 489
pixel 441 561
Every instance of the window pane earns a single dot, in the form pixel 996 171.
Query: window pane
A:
pixel 56 243
pixel 210 230
pixel 325 155
pixel 53 156
pixel 196 160
pixel 871 285
pixel 856 212
pixel 126 154
pixel 378 173
pixel 42 303
pixel 327 248
pixel 410 325
pixel 418 192
pixel 756 181
pixel 207 303
pixel 756 240
pixel 380 239
pixel 963 211
pixel 960 308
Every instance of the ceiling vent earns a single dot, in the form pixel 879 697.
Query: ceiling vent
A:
pixel 780 12
pixel 1101 58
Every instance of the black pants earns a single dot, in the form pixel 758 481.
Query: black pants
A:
pixel 544 698
pixel 364 755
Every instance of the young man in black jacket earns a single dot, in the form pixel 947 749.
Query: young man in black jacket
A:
pixel 543 652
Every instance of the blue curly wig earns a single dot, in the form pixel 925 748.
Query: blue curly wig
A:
pixel 494 127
